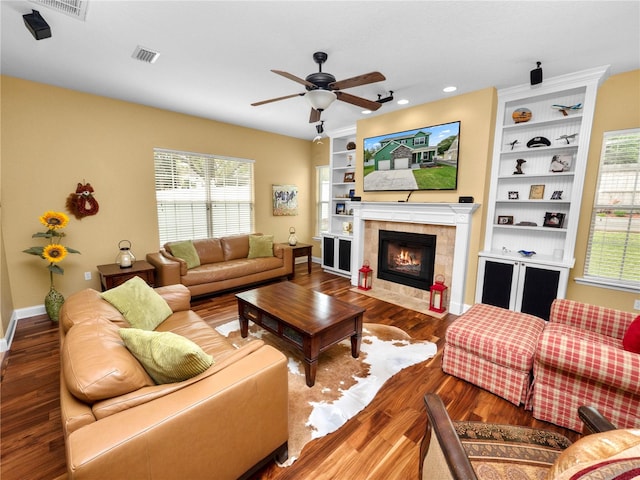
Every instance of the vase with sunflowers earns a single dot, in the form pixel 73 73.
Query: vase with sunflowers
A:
pixel 54 252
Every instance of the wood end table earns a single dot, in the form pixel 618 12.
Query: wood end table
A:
pixel 111 275
pixel 300 250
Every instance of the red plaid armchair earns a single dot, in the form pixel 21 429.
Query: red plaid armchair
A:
pixel 580 361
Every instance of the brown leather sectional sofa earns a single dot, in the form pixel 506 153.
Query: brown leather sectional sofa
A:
pixel 223 265
pixel 118 423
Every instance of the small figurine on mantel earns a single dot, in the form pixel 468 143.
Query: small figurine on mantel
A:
pixel 519 163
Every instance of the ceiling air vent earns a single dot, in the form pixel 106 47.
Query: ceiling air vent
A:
pixel 73 8
pixel 145 55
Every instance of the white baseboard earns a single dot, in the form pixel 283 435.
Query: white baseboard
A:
pixel 5 343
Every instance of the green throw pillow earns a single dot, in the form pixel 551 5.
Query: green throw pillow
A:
pixel 166 356
pixel 140 304
pixel 187 252
pixel 260 246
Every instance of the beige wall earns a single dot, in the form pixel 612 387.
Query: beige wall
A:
pixel 477 113
pixel 53 138
pixel 617 108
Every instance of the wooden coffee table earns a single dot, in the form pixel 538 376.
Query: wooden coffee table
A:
pixel 311 321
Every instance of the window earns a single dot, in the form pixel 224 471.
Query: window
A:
pixel 202 196
pixel 419 141
pixel 323 189
pixel 613 252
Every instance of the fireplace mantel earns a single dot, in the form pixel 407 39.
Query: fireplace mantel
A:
pixel 457 215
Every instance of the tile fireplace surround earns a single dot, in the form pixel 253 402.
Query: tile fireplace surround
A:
pixel 452 216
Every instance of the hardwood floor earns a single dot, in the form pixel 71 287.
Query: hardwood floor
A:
pixel 381 442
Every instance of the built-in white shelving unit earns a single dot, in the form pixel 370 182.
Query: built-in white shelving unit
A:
pixel 536 208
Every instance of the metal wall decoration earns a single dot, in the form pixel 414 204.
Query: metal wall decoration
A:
pixel 285 200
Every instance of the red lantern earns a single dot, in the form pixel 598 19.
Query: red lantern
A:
pixel 438 300
pixel 364 276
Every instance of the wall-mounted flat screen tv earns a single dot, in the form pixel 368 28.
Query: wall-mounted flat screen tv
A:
pixel 421 159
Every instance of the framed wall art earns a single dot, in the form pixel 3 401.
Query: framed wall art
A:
pixel 285 200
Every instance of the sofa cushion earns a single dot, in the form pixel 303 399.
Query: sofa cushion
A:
pixel 631 339
pixel 88 305
pixel 612 454
pixel 96 364
pixel 166 356
pixel 209 250
pixel 260 246
pixel 235 246
pixel 142 306
pixel 187 252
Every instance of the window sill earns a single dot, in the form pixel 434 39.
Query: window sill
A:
pixel 612 284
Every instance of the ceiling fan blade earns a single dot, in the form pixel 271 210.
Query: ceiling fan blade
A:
pixel 359 101
pixel 364 79
pixel 294 78
pixel 315 116
pixel 276 99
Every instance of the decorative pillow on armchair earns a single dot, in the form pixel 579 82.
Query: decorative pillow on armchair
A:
pixel 631 339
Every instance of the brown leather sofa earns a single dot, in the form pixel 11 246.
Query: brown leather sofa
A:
pixel 223 423
pixel 223 265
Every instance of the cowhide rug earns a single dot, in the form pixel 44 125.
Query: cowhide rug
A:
pixel 344 385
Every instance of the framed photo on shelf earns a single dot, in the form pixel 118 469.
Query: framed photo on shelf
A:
pixel 352 193
pixel 560 163
pixel 349 177
pixel 553 219
pixel 536 192
pixel 340 208
pixel 514 196
pixel 505 220
pixel 557 195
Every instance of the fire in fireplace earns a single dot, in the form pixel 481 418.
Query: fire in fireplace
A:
pixel 406 258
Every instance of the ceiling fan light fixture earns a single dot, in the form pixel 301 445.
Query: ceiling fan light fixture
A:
pixel 320 99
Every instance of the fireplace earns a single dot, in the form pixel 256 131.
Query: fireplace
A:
pixel 406 258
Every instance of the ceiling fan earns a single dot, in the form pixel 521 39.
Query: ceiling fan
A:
pixel 323 89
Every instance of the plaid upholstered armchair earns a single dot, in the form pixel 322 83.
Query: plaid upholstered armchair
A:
pixel 580 360
pixel 477 451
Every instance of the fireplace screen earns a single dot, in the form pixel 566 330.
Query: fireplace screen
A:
pixel 406 258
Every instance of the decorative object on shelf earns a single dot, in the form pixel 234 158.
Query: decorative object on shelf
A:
pixel 351 145
pixel 81 203
pixel 557 195
pixel 521 115
pixel 505 220
pixel 565 109
pixel 526 253
pixel 350 158
pixel 513 144
pixel 527 224
pixel 292 236
pixel 519 163
pixel 538 142
pixel 567 138
pixel 125 257
pixel 553 219
pixel 285 200
pixel 352 193
pixel 340 208
pixel 514 196
pixel 560 163
pixel 437 299
pixel 54 252
pixel 536 192
pixel 347 228
pixel 349 177
pixel 365 275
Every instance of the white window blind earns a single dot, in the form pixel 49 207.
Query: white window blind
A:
pixel 613 252
pixel 324 189
pixel 202 196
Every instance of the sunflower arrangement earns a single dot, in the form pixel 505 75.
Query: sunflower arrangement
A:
pixel 54 252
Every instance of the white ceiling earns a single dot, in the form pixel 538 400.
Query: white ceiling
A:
pixel 216 56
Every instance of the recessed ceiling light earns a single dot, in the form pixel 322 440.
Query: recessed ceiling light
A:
pixel 366 112
pixel 449 89
pixel 403 101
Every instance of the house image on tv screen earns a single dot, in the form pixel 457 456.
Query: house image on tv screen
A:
pixel 421 159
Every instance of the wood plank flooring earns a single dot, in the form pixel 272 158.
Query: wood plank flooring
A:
pixel 381 442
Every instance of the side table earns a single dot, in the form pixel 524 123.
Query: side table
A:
pixel 112 275
pixel 300 250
